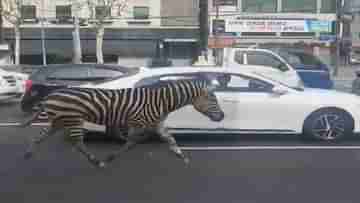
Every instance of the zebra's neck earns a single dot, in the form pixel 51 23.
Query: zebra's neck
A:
pixel 179 94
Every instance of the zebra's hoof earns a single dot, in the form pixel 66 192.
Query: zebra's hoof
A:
pixel 186 161
pixel 28 155
pixel 98 164
pixel 101 164
pixel 110 158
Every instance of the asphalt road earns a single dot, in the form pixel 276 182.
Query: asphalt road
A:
pixel 245 168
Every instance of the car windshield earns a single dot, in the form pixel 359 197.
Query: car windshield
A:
pixel 279 82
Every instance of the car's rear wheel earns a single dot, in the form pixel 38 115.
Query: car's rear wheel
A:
pixel 329 125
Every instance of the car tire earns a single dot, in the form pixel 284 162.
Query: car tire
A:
pixel 328 125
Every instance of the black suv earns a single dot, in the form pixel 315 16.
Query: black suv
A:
pixel 51 77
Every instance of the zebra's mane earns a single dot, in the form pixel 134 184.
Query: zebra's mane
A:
pixel 201 83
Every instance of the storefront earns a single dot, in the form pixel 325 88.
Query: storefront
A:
pixel 133 47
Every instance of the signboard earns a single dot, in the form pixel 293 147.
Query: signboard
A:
pixel 278 25
pixel 225 2
pixel 330 38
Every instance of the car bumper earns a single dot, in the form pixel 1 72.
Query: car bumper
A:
pixel 9 92
pixel 354 61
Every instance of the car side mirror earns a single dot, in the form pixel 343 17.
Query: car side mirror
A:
pixel 279 90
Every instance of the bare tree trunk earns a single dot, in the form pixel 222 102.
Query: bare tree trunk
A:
pixel 17 44
pixel 77 42
pixel 99 43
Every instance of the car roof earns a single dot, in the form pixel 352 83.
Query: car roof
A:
pixel 241 69
pixel 114 66
pixel 43 71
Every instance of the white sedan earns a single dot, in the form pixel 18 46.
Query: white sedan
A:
pixel 254 103
pixel 12 84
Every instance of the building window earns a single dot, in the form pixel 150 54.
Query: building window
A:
pixel 102 12
pixel 225 3
pixel 328 6
pixel 63 11
pixel 141 12
pixel 299 6
pixel 28 12
pixel 218 26
pixel 297 34
pixel 258 33
pixel 259 6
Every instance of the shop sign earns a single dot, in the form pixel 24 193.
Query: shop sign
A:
pixel 220 42
pixel 264 25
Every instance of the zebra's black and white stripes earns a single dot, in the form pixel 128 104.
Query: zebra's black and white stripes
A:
pixel 135 109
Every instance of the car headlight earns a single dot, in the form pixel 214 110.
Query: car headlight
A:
pixel 2 82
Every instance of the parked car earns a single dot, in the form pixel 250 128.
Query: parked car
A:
pixel 355 57
pixel 309 68
pixel 313 72
pixel 257 104
pixel 12 84
pixel 355 86
pixel 264 61
pixel 48 78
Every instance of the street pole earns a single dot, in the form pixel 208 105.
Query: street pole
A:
pixel 204 27
pixel 1 23
pixel 216 33
pixel 339 32
pixel 76 41
pixel 43 33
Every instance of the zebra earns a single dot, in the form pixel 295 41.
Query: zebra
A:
pixel 138 110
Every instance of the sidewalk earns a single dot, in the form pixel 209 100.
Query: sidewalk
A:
pixel 345 77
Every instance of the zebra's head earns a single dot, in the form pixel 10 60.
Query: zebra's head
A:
pixel 208 105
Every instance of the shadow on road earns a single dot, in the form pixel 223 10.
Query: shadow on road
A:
pixel 229 140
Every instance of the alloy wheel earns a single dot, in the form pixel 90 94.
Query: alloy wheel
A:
pixel 329 127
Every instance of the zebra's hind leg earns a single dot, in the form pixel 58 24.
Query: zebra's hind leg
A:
pixel 44 134
pixel 135 136
pixel 167 137
pixel 77 138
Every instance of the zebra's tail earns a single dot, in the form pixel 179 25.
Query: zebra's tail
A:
pixel 32 118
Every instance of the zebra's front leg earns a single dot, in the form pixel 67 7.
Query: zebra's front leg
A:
pixel 77 138
pixel 44 134
pixel 135 135
pixel 167 137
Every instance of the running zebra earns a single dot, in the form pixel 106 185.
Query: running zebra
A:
pixel 138 110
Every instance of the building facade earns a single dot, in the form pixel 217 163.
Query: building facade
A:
pixel 135 30
pixel 310 23
pixel 355 31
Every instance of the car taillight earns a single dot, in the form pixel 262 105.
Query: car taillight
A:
pixel 28 84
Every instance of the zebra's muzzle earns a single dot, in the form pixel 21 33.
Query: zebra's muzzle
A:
pixel 217 117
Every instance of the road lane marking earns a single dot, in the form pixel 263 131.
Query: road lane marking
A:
pixel 86 125
pixel 228 148
pixel 238 148
pixel 18 124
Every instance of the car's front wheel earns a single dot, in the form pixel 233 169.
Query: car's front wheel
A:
pixel 329 124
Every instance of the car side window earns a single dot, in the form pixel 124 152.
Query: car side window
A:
pixel 239 57
pixel 158 80
pixel 265 59
pixel 238 83
pixel 70 73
